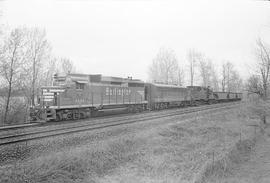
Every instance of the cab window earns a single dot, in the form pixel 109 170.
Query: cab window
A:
pixel 79 86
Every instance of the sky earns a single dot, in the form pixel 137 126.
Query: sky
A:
pixel 121 37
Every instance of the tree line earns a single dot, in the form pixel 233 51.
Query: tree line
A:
pixel 165 68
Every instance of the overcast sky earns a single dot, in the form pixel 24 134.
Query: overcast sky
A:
pixel 120 38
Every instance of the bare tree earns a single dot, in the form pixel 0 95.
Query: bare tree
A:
pixel 231 80
pixel 50 68
pixel 205 71
pixel 164 67
pixel 208 73
pixel 263 56
pixel 180 77
pixel 258 83
pixel 214 77
pixel 227 69
pixel 67 65
pixel 12 59
pixel 224 77
pixel 236 82
pixel 37 53
pixel 193 58
pixel 254 85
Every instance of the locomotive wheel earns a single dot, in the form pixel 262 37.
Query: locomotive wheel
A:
pixel 69 116
pixel 140 108
pixel 137 109
pixel 133 109
pixel 82 116
pixel 57 117
pixel 130 109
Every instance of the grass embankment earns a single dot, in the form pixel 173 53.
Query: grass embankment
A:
pixel 170 152
pixel 222 167
pixel 73 165
pixel 226 166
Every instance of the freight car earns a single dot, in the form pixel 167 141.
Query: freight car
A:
pixel 161 96
pixel 76 96
pixel 227 96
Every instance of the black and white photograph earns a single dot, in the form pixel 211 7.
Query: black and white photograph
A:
pixel 134 91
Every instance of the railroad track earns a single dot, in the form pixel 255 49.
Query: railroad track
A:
pixel 21 126
pixel 23 137
pixel 11 130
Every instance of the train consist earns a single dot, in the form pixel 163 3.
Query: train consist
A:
pixel 77 96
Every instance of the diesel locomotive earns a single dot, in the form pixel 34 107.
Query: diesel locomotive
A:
pixel 77 96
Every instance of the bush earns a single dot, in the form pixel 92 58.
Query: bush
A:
pixel 18 111
pixel 260 109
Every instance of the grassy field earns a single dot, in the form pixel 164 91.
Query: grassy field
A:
pixel 255 168
pixel 176 151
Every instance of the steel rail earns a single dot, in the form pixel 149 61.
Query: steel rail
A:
pixel 12 127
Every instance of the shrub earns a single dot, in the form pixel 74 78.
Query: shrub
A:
pixel 18 111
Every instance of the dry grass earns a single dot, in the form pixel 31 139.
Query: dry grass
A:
pixel 74 165
pixel 179 152
pixel 173 152
pixel 223 166
pixel 240 152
